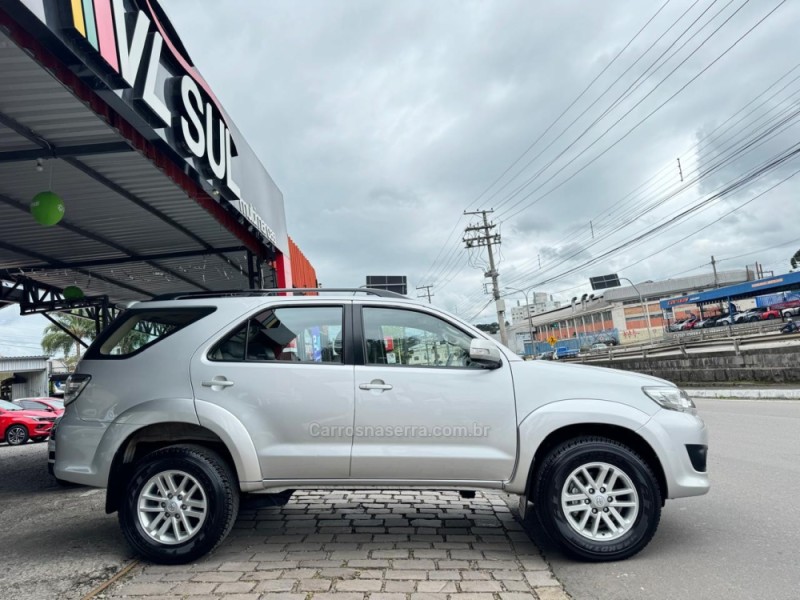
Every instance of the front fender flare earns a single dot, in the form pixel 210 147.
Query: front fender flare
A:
pixel 540 423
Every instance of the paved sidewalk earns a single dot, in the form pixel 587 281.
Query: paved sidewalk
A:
pixel 375 545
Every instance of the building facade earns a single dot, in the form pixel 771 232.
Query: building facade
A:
pixel 619 316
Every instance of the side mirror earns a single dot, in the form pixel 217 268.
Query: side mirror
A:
pixel 485 353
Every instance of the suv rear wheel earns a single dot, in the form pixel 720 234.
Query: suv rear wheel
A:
pixel 180 503
pixel 597 498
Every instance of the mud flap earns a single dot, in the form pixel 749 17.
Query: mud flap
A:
pixel 523 506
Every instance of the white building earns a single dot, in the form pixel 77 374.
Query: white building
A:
pixel 542 302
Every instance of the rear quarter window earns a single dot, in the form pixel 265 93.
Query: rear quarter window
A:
pixel 137 329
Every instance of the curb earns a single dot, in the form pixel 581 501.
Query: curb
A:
pixel 746 394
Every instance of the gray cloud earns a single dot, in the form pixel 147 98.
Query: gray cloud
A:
pixel 382 121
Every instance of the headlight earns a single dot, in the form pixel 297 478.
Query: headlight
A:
pixel 672 398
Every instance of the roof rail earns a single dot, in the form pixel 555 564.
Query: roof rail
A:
pixel 274 292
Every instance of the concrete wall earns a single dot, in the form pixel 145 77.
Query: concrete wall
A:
pixel 773 365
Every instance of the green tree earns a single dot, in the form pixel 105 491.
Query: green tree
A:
pixel 55 339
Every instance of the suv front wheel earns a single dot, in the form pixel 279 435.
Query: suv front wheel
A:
pixel 597 498
pixel 180 503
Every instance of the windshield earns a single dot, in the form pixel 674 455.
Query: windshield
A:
pixel 8 406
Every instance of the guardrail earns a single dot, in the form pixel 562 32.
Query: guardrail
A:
pixel 748 336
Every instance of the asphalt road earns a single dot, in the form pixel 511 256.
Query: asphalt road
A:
pixel 54 542
pixel 738 542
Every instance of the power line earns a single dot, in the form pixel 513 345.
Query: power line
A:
pixel 747 145
pixel 737 185
pixel 428 274
pixel 639 123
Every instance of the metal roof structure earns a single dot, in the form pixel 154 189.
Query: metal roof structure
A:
pixel 749 289
pixel 659 289
pixel 120 209
pixel 143 216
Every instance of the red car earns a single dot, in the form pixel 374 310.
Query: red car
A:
pixel 51 405
pixel 771 313
pixel 18 425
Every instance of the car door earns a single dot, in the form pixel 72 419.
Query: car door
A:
pixel 423 412
pixel 283 373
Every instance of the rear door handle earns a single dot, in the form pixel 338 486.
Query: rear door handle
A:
pixel 375 384
pixel 217 382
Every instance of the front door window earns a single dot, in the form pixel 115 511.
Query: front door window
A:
pixel 409 338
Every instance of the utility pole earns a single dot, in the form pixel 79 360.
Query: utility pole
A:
pixel 481 235
pixel 714 266
pixel 680 170
pixel 426 293
pixel 591 226
pixel 527 310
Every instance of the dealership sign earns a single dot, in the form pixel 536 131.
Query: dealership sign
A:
pixel 139 57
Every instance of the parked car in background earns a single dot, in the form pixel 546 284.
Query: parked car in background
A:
pixel 676 326
pixel 688 324
pixel 727 319
pixel 706 322
pixel 179 425
pixel 598 347
pixel 770 313
pixel 51 405
pixel 18 425
pixel 749 316
pixel 790 312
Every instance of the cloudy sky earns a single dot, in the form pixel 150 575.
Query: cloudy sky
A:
pixel 382 122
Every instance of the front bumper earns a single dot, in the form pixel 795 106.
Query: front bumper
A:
pixel 681 442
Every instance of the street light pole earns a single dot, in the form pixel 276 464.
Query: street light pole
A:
pixel 527 310
pixel 644 308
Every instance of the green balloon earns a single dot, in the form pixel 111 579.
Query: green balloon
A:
pixel 47 208
pixel 73 292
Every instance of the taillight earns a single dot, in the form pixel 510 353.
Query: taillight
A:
pixel 74 386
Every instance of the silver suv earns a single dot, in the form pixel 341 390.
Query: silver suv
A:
pixel 186 406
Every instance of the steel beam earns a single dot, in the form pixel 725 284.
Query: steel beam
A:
pixel 101 240
pixel 48 259
pixel 34 138
pixel 64 151
pixel 59 264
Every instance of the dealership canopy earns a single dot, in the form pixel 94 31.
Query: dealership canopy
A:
pixel 121 175
pixel 749 289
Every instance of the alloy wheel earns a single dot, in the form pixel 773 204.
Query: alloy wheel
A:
pixel 600 501
pixel 172 507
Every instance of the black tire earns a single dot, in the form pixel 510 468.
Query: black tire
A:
pixel 549 481
pixel 219 484
pixel 16 435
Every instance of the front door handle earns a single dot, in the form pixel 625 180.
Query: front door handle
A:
pixel 217 382
pixel 375 384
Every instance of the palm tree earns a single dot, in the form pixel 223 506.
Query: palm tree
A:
pixel 55 339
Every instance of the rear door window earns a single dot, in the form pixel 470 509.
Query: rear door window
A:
pixel 303 334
